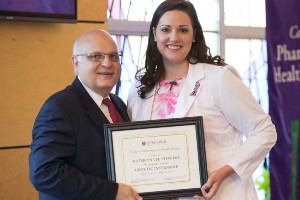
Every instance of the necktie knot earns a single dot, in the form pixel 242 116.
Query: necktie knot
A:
pixel 107 102
pixel 115 116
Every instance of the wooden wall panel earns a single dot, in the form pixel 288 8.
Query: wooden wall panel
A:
pixel 35 61
pixel 14 173
pixel 92 10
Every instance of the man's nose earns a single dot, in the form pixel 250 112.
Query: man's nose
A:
pixel 106 62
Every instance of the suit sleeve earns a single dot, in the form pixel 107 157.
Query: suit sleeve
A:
pixel 53 149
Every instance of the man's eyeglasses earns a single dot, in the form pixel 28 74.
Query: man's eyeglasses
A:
pixel 99 56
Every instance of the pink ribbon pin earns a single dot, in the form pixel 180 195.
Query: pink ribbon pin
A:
pixel 197 85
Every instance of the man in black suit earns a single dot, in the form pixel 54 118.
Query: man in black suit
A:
pixel 67 159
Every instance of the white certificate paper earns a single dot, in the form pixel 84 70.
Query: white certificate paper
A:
pixel 156 158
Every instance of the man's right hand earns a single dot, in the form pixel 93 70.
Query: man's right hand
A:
pixel 126 192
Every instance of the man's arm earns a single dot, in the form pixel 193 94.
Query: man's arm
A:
pixel 53 150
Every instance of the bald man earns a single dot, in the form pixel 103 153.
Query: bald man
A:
pixel 67 158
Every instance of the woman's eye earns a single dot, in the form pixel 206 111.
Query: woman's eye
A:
pixel 184 30
pixel 165 30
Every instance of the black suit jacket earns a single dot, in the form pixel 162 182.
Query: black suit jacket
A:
pixel 67 158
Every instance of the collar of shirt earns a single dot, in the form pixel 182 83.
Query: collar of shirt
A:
pixel 98 100
pixel 96 97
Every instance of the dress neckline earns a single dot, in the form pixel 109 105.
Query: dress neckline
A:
pixel 172 83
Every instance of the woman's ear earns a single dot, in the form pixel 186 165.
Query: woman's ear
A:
pixel 154 34
pixel 194 35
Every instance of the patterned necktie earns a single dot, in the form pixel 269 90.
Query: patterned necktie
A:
pixel 115 116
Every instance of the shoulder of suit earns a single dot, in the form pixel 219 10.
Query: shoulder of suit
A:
pixel 66 94
pixel 215 70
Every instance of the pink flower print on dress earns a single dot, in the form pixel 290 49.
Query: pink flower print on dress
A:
pixel 170 99
pixel 161 114
pixel 170 108
pixel 197 85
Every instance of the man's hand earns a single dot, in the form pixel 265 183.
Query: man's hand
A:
pixel 126 192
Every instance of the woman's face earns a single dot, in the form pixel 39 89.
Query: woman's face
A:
pixel 174 35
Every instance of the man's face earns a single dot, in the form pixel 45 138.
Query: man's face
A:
pixel 99 76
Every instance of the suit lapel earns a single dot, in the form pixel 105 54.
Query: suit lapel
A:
pixel 190 90
pixel 90 107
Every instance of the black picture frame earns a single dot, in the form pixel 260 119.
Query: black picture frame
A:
pixel 155 135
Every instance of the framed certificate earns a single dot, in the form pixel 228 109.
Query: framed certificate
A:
pixel 158 158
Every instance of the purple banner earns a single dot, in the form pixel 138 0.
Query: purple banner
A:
pixel 283 44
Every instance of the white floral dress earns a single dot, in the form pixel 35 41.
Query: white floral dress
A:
pixel 165 98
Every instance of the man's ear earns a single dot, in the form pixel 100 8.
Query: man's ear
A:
pixel 75 65
pixel 74 61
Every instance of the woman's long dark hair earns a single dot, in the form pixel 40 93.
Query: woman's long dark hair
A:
pixel 154 70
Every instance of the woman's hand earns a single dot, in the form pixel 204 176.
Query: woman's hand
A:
pixel 210 188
